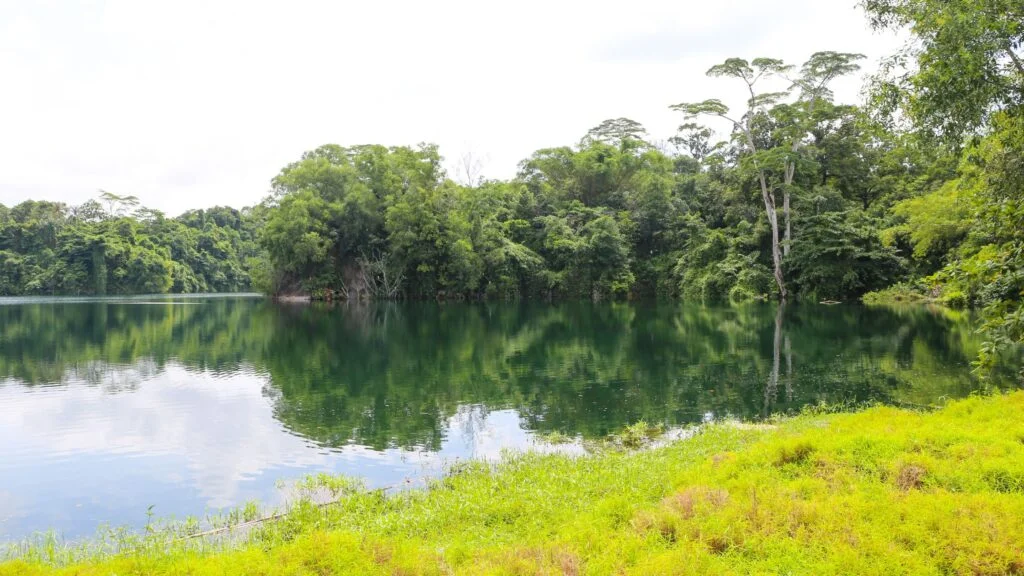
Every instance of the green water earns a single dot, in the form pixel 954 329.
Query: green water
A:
pixel 198 404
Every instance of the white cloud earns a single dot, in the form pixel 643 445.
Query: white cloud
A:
pixel 222 428
pixel 192 103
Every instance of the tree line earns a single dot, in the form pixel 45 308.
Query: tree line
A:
pixel 616 215
pixel 112 245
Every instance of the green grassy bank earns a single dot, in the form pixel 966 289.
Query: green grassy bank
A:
pixel 883 491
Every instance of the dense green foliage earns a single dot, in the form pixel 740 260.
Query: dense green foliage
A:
pixel 961 86
pixel 612 216
pixel 115 247
pixel 884 491
pixel 806 197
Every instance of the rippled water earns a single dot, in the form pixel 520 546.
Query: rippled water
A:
pixel 199 404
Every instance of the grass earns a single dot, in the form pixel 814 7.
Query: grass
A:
pixel 900 294
pixel 882 491
pixel 556 438
pixel 918 293
pixel 639 434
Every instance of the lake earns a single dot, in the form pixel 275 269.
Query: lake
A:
pixel 195 405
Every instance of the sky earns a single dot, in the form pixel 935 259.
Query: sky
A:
pixel 195 103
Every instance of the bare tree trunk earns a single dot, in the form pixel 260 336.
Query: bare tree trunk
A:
pixel 380 283
pixel 773 219
pixel 787 238
pixel 773 222
pixel 384 285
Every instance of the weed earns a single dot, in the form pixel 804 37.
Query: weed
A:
pixel 910 477
pixel 556 438
pixel 639 434
pixel 794 454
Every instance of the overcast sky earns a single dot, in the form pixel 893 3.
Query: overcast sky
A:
pixel 189 104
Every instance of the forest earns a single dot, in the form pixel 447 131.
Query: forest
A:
pixel 112 245
pixel 913 194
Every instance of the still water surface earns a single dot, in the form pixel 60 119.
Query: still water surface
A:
pixel 200 404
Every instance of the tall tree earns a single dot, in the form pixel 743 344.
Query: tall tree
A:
pixel 615 130
pixel 813 83
pixel 795 123
pixel 750 73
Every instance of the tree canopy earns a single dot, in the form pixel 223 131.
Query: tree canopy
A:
pixel 114 246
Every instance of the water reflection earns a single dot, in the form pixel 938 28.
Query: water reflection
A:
pixel 109 407
pixel 188 442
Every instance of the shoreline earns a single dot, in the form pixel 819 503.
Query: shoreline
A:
pixel 854 492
